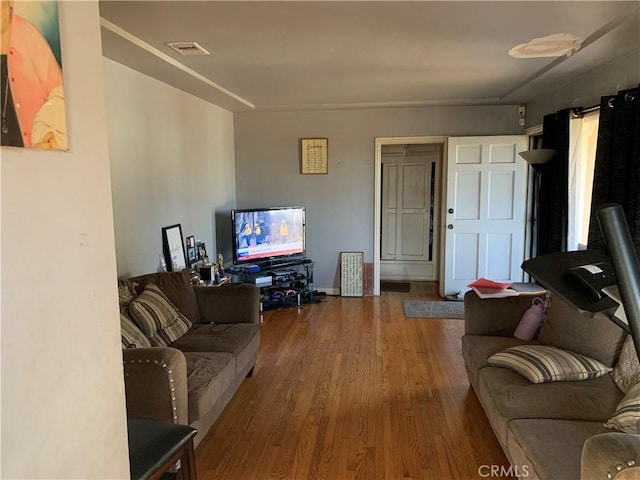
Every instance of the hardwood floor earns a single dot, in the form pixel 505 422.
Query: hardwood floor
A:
pixel 351 389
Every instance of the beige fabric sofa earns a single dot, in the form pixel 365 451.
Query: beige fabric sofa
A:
pixel 549 431
pixel 191 380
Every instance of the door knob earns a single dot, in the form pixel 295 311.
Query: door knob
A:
pixel 450 227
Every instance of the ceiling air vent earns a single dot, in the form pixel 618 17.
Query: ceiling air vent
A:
pixel 187 48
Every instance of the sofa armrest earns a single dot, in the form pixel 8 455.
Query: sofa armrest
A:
pixel 156 384
pixel 494 316
pixel 612 455
pixel 235 303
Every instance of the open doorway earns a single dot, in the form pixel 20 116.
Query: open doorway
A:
pixel 407 208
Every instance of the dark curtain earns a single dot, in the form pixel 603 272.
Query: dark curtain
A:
pixel 554 185
pixel 617 168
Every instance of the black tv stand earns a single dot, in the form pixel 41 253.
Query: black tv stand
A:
pixel 282 284
pixel 287 262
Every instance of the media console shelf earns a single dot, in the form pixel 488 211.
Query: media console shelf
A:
pixel 281 284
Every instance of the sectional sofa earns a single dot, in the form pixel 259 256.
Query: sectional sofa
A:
pixel 580 421
pixel 186 349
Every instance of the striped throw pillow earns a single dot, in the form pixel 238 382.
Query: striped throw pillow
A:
pixel 543 363
pixel 627 414
pixel 131 335
pixel 157 317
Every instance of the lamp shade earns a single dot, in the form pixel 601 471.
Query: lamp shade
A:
pixel 539 156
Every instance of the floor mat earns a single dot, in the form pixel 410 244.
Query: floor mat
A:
pixel 387 286
pixel 429 309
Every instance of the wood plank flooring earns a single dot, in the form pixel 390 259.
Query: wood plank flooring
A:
pixel 351 389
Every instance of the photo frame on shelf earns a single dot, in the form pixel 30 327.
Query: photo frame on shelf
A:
pixel 192 253
pixel 173 248
pixel 202 252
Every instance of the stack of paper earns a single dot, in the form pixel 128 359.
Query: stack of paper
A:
pixel 489 289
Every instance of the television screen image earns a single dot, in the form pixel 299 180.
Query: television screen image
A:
pixel 268 233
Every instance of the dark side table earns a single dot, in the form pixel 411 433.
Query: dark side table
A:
pixel 155 447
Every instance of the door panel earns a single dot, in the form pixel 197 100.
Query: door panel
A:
pixel 389 243
pixel 468 154
pixel 502 153
pixel 466 203
pixel 413 236
pixel 391 184
pixel 501 195
pixel 389 204
pixel 499 255
pixel 486 188
pixel 414 186
pixel 413 204
pixel 466 261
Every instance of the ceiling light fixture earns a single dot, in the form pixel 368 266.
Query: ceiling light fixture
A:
pixel 555 45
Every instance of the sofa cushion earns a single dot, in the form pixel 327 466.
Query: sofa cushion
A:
pixel 626 373
pixel 228 337
pixel 627 414
pixel 157 317
pixel 552 447
pixel 209 374
pixel 131 335
pixel 596 337
pixel 178 289
pixel 476 349
pixel 240 339
pixel 516 397
pixel 543 363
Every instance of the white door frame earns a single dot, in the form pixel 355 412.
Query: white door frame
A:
pixel 377 188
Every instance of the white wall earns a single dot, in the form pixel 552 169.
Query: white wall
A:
pixel 172 162
pixel 63 410
pixel 339 205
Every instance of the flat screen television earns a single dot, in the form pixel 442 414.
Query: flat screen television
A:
pixel 268 234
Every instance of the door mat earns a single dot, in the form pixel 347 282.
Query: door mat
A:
pixel 437 309
pixel 387 286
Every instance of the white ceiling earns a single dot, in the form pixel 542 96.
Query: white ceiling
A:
pixel 338 54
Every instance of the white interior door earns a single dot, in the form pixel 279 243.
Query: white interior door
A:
pixel 485 214
pixel 409 174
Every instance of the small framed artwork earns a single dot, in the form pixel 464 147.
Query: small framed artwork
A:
pixel 192 253
pixel 351 284
pixel 173 248
pixel 202 252
pixel 314 156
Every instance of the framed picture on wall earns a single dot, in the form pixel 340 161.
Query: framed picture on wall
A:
pixel 173 248
pixel 37 94
pixel 314 156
